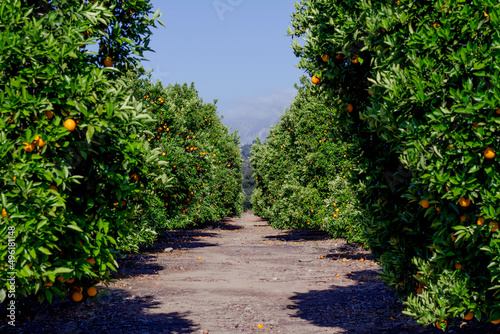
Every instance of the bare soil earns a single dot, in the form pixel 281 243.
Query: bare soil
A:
pixel 239 276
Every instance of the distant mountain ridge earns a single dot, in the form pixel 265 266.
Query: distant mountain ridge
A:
pixel 249 130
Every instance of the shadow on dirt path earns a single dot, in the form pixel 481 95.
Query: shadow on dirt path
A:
pixel 366 307
pixel 118 311
pixel 238 275
pixel 300 235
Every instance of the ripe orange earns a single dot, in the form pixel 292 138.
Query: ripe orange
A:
pixel 92 291
pixel 349 107
pixel 91 260
pixel 77 296
pixel 489 153
pixel 453 238
pixel 469 316
pixel 494 226
pixel 108 62
pixel 458 266
pixel 354 59
pixel 424 203
pixel 315 80
pixel 462 218
pixel 465 202
pixel 70 280
pixel 498 111
pixel 49 114
pixel 48 284
pixel 338 56
pixel 29 147
pixel 496 322
pixel 324 58
pixel 39 141
pixel 480 221
pixel 70 124
pixel 54 188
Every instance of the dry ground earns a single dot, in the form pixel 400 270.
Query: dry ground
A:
pixel 239 276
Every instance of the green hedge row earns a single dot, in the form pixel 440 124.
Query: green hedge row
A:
pixel 202 165
pixel 79 180
pixel 303 170
pixel 422 80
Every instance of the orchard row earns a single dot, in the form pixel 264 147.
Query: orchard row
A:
pixel 414 94
pixel 94 158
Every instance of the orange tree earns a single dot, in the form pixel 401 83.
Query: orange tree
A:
pixel 71 163
pixel 421 81
pixel 202 162
pixel 302 172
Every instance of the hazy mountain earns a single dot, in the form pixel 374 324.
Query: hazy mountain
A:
pixel 249 130
pixel 254 116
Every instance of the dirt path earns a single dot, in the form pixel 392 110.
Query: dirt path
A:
pixel 238 276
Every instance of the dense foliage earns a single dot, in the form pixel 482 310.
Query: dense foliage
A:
pixel 248 184
pixel 67 140
pixel 302 172
pixel 419 80
pixel 79 179
pixel 202 163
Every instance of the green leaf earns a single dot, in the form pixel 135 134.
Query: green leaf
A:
pixel 90 133
pixel 3 295
pixel 48 295
pixel 74 227
pixel 44 250
pixel 62 270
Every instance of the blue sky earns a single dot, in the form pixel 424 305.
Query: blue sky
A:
pixel 235 51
